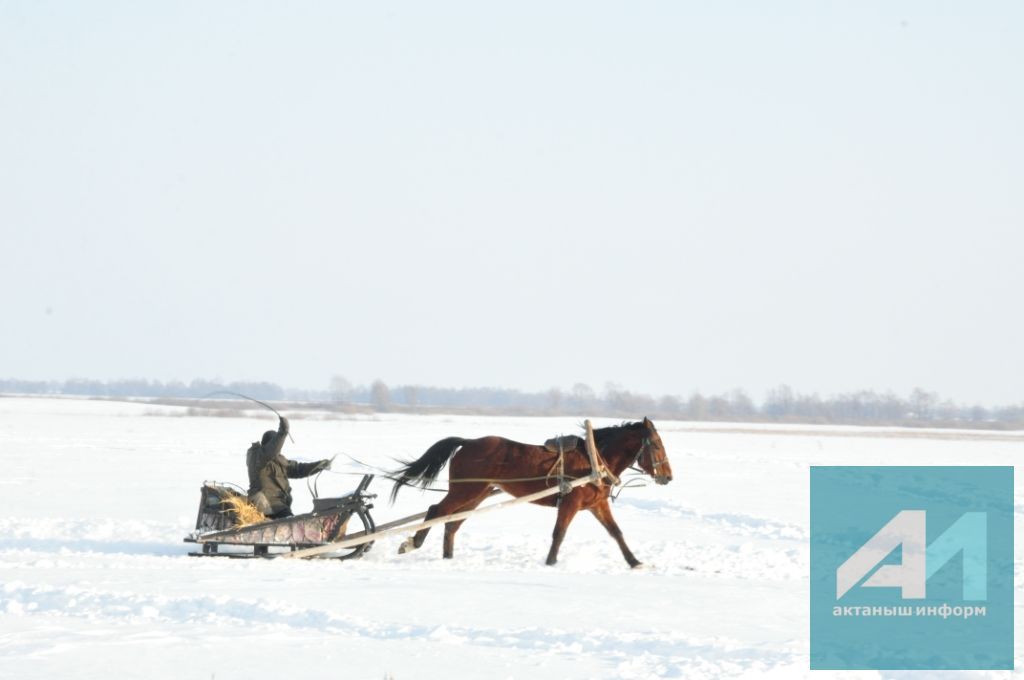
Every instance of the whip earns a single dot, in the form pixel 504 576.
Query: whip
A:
pixel 261 403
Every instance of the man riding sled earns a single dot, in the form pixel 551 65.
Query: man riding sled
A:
pixel 269 472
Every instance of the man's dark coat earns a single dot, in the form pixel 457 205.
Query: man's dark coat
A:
pixel 269 472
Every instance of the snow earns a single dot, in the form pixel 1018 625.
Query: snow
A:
pixel 95 581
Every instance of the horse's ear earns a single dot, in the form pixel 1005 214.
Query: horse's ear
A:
pixel 647 422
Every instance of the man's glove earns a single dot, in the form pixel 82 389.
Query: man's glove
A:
pixel 322 465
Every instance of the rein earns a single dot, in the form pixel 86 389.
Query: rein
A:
pixel 385 474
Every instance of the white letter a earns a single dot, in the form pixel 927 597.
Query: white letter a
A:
pixel 907 528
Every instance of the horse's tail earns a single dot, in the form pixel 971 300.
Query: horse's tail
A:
pixel 425 469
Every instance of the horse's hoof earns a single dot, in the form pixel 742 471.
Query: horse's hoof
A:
pixel 638 565
pixel 407 546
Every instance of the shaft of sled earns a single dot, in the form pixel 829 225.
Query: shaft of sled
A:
pixel 398 522
pixel 390 525
pixel 381 533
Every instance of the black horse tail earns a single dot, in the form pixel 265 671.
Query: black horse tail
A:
pixel 425 469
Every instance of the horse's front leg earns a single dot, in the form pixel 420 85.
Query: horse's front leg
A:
pixel 567 509
pixel 603 512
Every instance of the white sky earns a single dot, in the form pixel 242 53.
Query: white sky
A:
pixel 669 196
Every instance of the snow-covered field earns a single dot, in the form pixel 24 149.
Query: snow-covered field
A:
pixel 95 581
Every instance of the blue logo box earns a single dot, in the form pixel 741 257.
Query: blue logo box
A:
pixel 911 568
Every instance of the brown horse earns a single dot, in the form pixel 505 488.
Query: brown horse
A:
pixel 480 465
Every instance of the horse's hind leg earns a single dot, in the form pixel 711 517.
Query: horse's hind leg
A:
pixel 449 504
pixel 421 535
pixel 449 538
pixel 416 540
pixel 451 527
pixel 603 512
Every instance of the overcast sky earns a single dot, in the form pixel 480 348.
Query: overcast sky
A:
pixel 668 196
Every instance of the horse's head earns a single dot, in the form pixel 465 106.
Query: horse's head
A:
pixel 652 457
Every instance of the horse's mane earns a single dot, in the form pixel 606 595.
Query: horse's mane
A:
pixel 603 434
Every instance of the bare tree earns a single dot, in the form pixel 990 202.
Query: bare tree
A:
pixel 697 407
pixel 380 396
pixel 554 404
pixel 670 406
pixel 411 394
pixel 583 395
pixel 341 389
pixel 923 403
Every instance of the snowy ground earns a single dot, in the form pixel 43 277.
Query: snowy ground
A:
pixel 95 581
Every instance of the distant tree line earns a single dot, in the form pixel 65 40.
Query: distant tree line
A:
pixel 781 405
pixel 196 389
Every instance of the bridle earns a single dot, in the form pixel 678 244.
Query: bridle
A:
pixel 645 449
